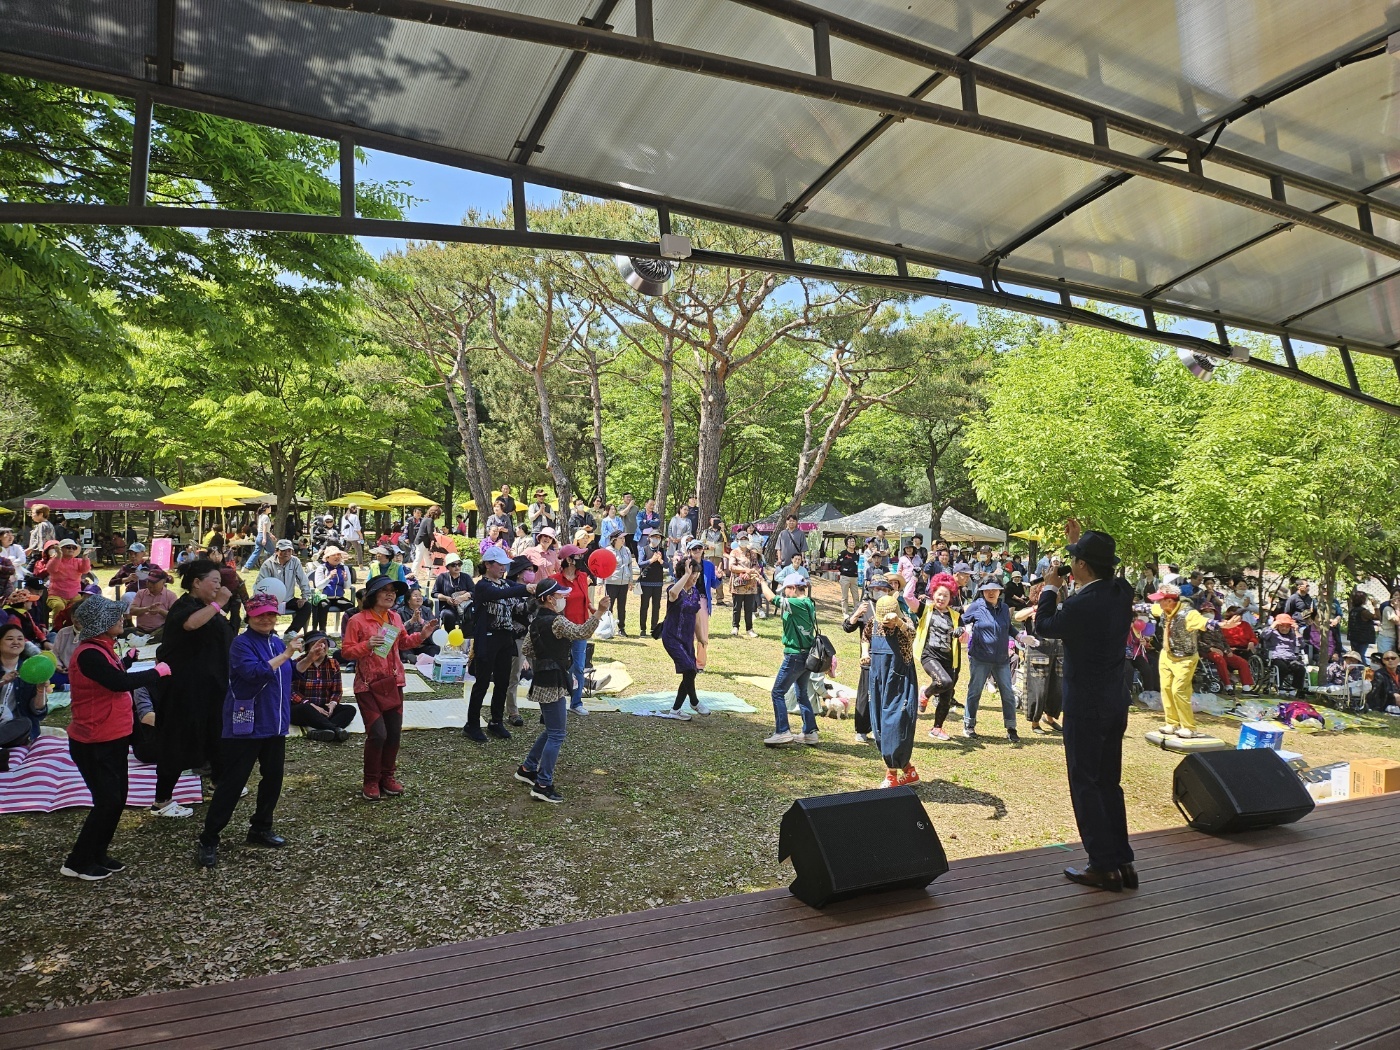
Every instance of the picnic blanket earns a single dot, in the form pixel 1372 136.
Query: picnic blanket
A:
pixel 43 778
pixel 411 684
pixel 651 703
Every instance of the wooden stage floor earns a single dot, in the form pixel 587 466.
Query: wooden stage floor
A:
pixel 1286 938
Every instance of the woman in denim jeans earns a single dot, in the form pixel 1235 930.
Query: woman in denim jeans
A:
pixel 799 614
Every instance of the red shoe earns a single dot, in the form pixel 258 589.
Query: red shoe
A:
pixel 389 786
pixel 909 776
pixel 891 779
pixel 370 792
pixel 923 704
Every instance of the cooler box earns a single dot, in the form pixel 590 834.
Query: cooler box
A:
pixel 449 669
pixel 1261 734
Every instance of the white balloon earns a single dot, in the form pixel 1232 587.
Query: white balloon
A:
pixel 440 638
pixel 272 587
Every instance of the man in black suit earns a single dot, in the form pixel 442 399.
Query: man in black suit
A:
pixel 1093 624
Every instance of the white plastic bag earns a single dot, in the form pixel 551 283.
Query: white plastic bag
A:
pixel 607 628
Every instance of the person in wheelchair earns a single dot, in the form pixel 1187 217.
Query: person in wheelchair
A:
pixel 1243 642
pixel 1284 645
pixel 1215 648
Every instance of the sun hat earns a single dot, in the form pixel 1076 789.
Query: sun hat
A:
pixel 310 638
pixel 990 585
pixel 330 549
pixel 260 603
pixel 1167 590
pixel 548 530
pixel 881 581
pixel 895 580
pixel 1016 574
pixel 518 565
pixel 1352 654
pixel 887 608
pixel 381 581
pixel 1284 620
pixel 68 543
pixel 452 559
pixel 97 615
pixel 495 555
pixel 381 549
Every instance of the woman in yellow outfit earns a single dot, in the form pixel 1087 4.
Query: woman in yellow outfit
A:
pixel 1180 626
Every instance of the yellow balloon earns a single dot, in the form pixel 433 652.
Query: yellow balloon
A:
pixel 455 637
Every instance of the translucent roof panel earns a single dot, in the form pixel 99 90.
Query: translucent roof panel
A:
pixel 712 141
pixel 943 190
pixel 424 82
pixel 1181 62
pixel 946 24
pixel 112 35
pixel 1286 274
pixel 1372 315
pixel 1138 236
pixel 1344 127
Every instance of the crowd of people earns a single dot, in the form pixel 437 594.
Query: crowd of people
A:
pixel 225 685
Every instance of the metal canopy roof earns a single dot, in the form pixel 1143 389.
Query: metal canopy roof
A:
pixel 1234 162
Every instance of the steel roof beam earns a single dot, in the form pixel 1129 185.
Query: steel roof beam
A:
pixel 365 138
pixel 795 207
pixel 1277 178
pixel 959 65
pixel 339 225
pixel 552 33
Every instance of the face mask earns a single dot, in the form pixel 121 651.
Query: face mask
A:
pixel 559 604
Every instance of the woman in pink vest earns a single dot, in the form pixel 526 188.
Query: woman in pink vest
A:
pixel 100 730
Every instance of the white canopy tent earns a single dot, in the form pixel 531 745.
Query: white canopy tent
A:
pixel 956 526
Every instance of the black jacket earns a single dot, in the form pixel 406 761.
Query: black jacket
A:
pixel 1093 624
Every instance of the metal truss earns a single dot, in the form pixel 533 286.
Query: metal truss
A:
pixel 589 38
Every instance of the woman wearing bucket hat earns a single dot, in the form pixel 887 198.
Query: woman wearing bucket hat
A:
pixel 99 731
pixel 257 712
pixel 332 585
pixel 547 647
pixel 373 639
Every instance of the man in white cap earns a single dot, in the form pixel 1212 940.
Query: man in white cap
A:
pixel 452 590
pixel 286 568
pixel 131 577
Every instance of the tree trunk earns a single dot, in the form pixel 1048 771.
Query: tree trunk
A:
pixel 668 426
pixel 714 408
pixel 600 453
pixel 935 510
pixel 447 504
pixel 562 491
pixel 469 431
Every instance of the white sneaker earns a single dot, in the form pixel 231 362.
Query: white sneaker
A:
pixel 1184 733
pixel 679 714
pixel 172 809
pixel 734 632
pixel 1167 730
pixel 864 738
pixel 701 708
pixel 811 739
pixel 780 740
pixel 579 710
pixel 753 634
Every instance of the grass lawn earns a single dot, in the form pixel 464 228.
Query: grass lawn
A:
pixel 657 812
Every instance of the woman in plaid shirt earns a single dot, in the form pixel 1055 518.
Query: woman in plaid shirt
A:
pixel 316 693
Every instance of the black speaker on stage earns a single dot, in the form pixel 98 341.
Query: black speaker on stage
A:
pixel 858 842
pixel 1238 790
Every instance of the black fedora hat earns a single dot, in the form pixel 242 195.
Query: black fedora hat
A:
pixel 1095 547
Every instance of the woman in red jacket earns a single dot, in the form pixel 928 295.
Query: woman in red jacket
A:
pixel 100 730
pixel 374 637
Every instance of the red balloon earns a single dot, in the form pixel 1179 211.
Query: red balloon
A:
pixel 602 563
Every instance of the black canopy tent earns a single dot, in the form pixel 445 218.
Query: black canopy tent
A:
pixel 1186 159
pixel 73 492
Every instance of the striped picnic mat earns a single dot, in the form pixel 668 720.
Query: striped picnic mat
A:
pixel 43 778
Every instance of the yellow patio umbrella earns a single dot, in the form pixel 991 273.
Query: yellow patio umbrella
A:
pixel 405 498
pixel 1031 535
pixel 198 497
pixel 470 504
pixel 363 500
pixel 220 486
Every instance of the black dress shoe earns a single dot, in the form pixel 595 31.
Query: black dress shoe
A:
pixel 206 856
pixel 1129 875
pixel 499 731
pixel 1100 880
pixel 269 839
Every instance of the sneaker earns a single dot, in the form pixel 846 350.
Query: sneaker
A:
pixel 370 793
pixel 172 809
pixel 734 633
pixel 474 733
pixel 970 734
pixel 864 738
pixel 1185 733
pixel 391 787
pixel 910 775
pixel 701 708
pixel 499 731
pixel 524 776
pixel 111 864
pixel 516 721
pixel 811 739
pixel 939 733
pixel 680 714
pixel 779 740
pixel 1013 736
pixel 1167 730
pixel 87 872
pixel 1037 731
pixel 342 735
pixel 546 793
pixel 923 705
pixel 891 779
pixel 578 710
pixel 753 634
pixel 206 856
pixel 325 736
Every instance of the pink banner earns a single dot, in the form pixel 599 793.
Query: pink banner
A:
pixel 162 551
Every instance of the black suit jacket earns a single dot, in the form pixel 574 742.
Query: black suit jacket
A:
pixel 1093 624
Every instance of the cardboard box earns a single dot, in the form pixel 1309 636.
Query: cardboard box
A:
pixel 449 669
pixel 1374 776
